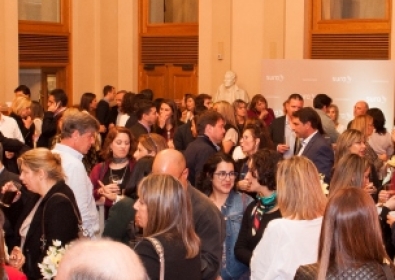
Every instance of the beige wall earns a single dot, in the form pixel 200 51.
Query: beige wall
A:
pixel 8 49
pixel 247 34
pixel 104 45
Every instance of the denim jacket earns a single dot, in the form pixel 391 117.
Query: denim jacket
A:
pixel 233 211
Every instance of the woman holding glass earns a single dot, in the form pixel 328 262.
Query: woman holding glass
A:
pixel 109 178
pixel 217 181
pixel 53 215
pixel 164 212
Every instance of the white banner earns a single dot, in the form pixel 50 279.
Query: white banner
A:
pixel 345 81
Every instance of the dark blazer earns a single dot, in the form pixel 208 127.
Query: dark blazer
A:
pixel 27 133
pixel 196 156
pixel 183 136
pixel 103 115
pixel 320 152
pixel 49 129
pixel 59 220
pixel 137 130
pixel 277 131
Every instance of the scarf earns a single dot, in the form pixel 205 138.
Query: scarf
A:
pixel 264 205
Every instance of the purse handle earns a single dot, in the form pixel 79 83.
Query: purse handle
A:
pixel 43 239
pixel 159 250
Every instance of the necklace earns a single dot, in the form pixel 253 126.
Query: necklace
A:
pixel 119 160
pixel 123 175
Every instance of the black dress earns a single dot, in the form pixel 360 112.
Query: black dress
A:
pixel 176 264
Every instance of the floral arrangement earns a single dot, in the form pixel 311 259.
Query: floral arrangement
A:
pixel 49 266
pixel 324 186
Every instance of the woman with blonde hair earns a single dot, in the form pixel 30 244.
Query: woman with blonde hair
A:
pixel 51 215
pixel 164 212
pixel 293 240
pixel 21 111
pixel 353 141
pixel 350 245
pixel 354 171
pixel 333 114
pixel 365 125
pixel 231 137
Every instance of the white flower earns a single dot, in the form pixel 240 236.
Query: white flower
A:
pixel 50 263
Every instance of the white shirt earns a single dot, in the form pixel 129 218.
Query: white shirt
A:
pixel 285 245
pixel 306 141
pixel 290 138
pixel 81 185
pixel 10 128
pixel 122 119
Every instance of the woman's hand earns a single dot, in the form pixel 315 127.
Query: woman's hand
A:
pixel 109 191
pixel 244 185
pixel 263 114
pixel 390 219
pixel 370 189
pixel 10 187
pixel 17 259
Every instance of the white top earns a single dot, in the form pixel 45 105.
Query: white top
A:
pixel 231 135
pixel 231 94
pixel 381 144
pixel 285 245
pixel 340 128
pixel 10 128
pixel 79 182
pixel 122 119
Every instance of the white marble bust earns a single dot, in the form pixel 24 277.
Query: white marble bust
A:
pixel 229 91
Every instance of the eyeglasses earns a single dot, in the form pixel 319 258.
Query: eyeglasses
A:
pixel 222 175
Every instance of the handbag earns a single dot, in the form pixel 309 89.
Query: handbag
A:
pixel 82 233
pixel 159 250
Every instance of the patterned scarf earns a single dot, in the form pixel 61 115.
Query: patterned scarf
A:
pixel 264 205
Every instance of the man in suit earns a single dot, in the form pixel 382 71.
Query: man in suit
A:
pixel 280 129
pixel 306 123
pixel 103 111
pixel 57 104
pixel 146 117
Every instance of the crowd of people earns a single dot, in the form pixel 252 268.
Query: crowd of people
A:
pixel 196 190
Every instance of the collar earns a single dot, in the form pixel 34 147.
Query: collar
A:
pixel 67 149
pixel 205 137
pixel 231 198
pixel 61 110
pixel 307 140
pixel 2 169
pixel 148 128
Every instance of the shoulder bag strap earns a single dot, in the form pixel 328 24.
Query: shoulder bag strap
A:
pixel 387 270
pixel 159 250
pixel 43 239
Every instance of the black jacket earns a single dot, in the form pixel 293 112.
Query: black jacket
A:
pixel 59 222
pixel 27 133
pixel 48 129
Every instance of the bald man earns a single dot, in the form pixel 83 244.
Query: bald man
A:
pixel 209 223
pixel 101 259
pixel 360 109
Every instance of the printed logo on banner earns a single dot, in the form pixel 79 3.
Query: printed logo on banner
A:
pixel 346 116
pixel 376 99
pixel 308 96
pixel 276 78
pixel 344 79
